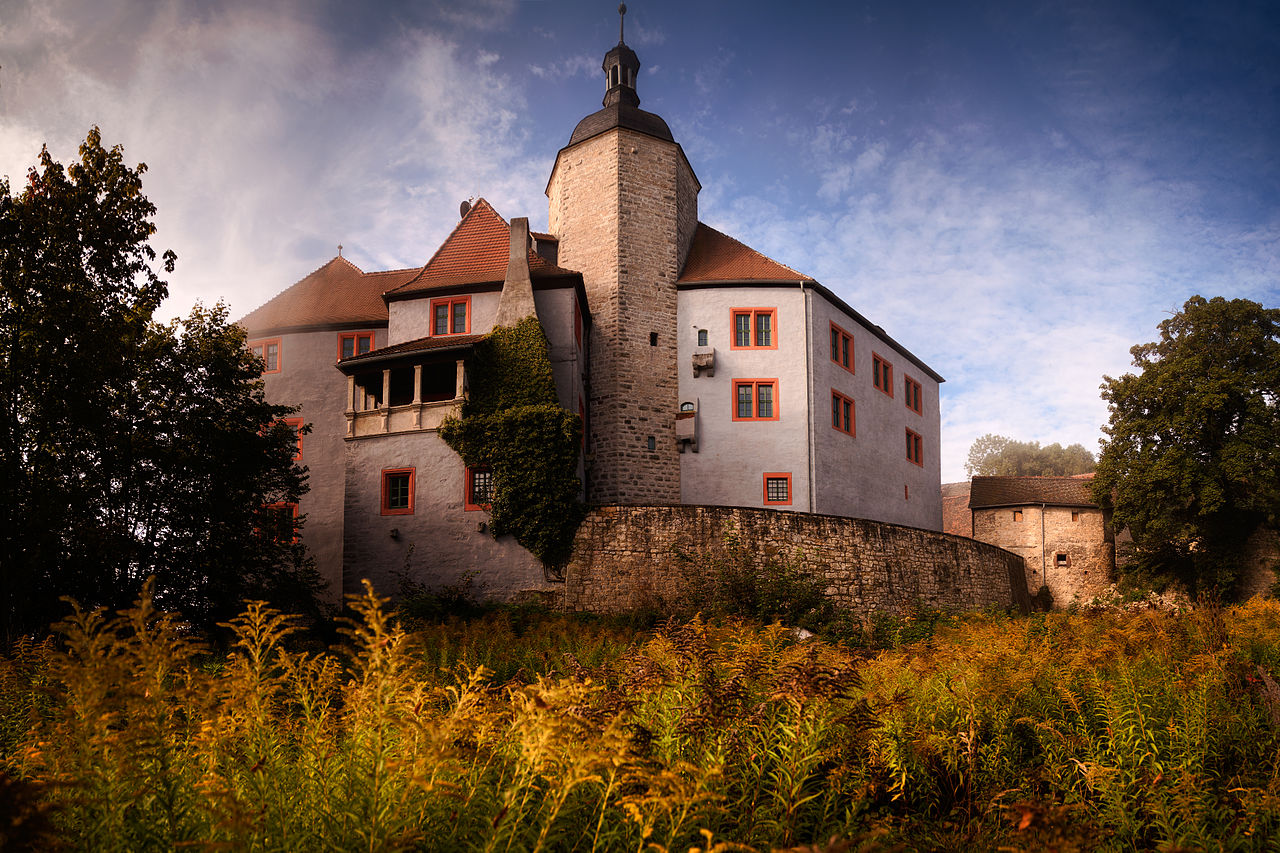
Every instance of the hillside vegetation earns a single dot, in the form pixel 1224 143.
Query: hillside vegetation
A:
pixel 519 730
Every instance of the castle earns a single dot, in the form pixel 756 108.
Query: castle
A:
pixel 705 373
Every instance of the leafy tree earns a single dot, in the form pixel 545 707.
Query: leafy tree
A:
pixel 998 456
pixel 1191 462
pixel 127 448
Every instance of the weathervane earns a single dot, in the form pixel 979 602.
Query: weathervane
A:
pixel 622 17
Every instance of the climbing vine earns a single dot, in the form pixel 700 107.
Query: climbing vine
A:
pixel 513 424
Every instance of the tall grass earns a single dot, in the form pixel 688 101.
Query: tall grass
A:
pixel 1113 731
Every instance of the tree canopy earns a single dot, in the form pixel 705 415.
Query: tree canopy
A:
pixel 998 456
pixel 1191 459
pixel 128 448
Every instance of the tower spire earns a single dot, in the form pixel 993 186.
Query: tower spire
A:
pixel 621 65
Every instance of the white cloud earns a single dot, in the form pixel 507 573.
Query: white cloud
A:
pixel 581 65
pixel 267 144
pixel 1022 280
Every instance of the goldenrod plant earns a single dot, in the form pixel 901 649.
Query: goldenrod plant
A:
pixel 520 731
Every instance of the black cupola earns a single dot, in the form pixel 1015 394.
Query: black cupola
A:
pixel 620 68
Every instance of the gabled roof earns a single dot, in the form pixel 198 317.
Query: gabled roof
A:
pixel 1026 491
pixel 718 257
pixel 475 253
pixel 338 293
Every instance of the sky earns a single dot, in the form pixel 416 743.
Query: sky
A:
pixel 1018 192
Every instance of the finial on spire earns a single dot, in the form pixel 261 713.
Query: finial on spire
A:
pixel 339 250
pixel 622 18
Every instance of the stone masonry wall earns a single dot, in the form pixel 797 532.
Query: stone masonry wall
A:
pixel 632 556
pixel 1080 533
pixel 1261 559
pixel 614 204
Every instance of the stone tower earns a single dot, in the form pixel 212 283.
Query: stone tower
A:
pixel 623 202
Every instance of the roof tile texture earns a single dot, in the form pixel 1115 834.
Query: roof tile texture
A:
pixel 337 293
pixel 1024 491
pixel 415 345
pixel 718 257
pixel 475 253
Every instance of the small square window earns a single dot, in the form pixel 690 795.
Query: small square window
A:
pixel 354 343
pixel 755 399
pixel 269 352
pixel 1075 516
pixel 397 491
pixel 1017 515
pixel 1061 560
pixel 911 392
pixel 479 489
pixel 755 328
pixel 777 489
pixel 842 413
pixel 279 522
pixel 842 348
pixel 702 337
pixel 296 424
pixel 451 316
pixel 882 374
pixel 915 452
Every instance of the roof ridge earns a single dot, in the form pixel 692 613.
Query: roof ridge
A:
pixel 471 211
pixel 756 251
pixel 280 293
pixel 1033 476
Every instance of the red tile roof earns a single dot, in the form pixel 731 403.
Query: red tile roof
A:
pixel 1025 491
pixel 718 257
pixel 416 345
pixel 337 293
pixel 475 253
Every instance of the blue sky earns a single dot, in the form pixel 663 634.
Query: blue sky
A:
pixel 1016 191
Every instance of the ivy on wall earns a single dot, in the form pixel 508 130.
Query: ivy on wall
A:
pixel 513 424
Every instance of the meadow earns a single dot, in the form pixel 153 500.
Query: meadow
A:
pixel 524 730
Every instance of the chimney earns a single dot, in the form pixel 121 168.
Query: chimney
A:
pixel 517 290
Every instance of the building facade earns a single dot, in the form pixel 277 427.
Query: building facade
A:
pixel 705 372
pixel 1065 539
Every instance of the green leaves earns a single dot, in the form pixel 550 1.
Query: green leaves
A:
pixel 998 456
pixel 1191 462
pixel 128 448
pixel 513 424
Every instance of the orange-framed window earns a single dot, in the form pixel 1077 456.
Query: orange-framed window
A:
pixel 397 491
pixel 451 316
pixel 354 343
pixel 842 347
pixel 911 392
pixel 269 352
pixel 479 492
pixel 843 414
pixel 755 399
pixel 754 328
pixel 777 488
pixel 915 444
pixel 882 374
pixel 279 522
pixel 296 425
